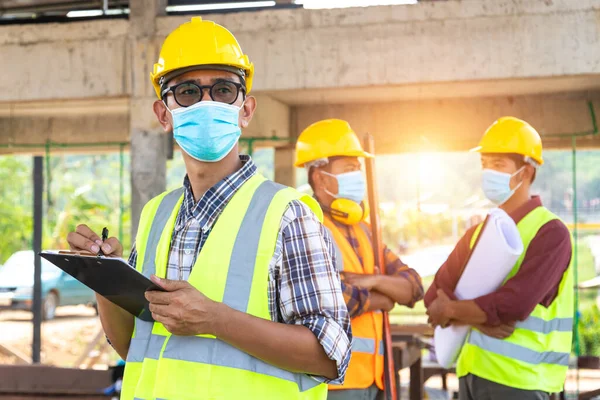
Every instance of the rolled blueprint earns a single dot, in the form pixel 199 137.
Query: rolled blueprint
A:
pixel 495 254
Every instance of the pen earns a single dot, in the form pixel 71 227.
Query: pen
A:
pixel 104 237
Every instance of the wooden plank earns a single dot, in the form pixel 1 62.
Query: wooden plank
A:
pixel 44 379
pixel 96 357
pixel 589 395
pixel 86 353
pixel 417 329
pixel 21 358
pixel 416 385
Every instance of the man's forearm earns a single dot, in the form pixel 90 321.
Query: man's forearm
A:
pixel 465 312
pixel 379 302
pixel 117 324
pixel 291 347
pixel 397 288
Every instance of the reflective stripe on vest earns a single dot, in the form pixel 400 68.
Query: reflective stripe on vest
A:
pixel 145 344
pixel 363 345
pixel 541 326
pixel 158 398
pixel 366 345
pixel 517 352
pixel 524 354
pixel 216 352
pixel 161 217
pixel 236 295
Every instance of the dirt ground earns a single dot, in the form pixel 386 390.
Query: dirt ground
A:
pixel 64 338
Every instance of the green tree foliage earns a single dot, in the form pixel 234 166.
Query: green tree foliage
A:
pixel 15 205
pixel 589 331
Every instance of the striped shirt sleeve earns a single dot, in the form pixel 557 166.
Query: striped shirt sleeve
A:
pixel 310 291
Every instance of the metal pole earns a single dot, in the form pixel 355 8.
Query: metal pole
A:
pixel 251 147
pixel 419 198
pixel 575 249
pixel 122 190
pixel 38 188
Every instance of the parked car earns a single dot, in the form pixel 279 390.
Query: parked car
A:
pixel 58 287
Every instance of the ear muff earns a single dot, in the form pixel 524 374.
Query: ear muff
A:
pixel 348 212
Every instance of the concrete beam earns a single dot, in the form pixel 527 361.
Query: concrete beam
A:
pixel 105 106
pixel 431 42
pixel 443 41
pixel 30 134
pixel 271 119
pixel 456 125
pixel 580 84
pixel 64 61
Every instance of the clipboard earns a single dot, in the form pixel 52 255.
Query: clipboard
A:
pixel 112 278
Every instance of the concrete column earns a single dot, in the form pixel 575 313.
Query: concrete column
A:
pixel 148 159
pixel 148 142
pixel 285 173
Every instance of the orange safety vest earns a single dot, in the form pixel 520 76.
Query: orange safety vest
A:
pixel 366 362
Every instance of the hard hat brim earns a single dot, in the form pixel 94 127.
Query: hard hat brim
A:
pixel 360 154
pixel 209 67
pixel 480 149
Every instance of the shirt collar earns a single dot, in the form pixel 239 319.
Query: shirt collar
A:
pixel 211 204
pixel 521 212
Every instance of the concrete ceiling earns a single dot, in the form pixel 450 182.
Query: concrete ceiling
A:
pixel 582 86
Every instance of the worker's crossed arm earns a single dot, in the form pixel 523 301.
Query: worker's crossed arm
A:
pixel 384 290
pixel 445 311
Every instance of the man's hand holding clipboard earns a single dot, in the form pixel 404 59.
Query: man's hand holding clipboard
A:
pixel 84 239
pixel 121 291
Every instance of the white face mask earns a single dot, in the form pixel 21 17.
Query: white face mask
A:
pixel 496 185
pixel 207 130
pixel 351 186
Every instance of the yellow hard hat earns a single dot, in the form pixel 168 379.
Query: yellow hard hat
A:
pixel 201 43
pixel 328 138
pixel 512 135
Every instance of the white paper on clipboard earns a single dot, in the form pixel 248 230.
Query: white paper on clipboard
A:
pixel 498 249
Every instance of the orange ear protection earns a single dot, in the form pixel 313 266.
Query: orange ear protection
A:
pixel 348 212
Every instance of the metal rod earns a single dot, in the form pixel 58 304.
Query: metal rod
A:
pixel 121 190
pixel 575 249
pixel 38 189
pixel 250 147
pixel 48 176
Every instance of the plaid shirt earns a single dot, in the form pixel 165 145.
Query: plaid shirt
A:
pixel 358 299
pixel 304 286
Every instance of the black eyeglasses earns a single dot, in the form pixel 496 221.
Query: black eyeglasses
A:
pixel 189 93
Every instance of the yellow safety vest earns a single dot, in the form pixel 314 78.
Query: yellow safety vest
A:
pixel 366 362
pixel 232 268
pixel 536 355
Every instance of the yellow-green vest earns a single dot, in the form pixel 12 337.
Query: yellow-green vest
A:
pixel 536 355
pixel 232 268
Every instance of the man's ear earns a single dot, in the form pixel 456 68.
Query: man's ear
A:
pixel 247 111
pixel 529 173
pixel 163 115
pixel 314 177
